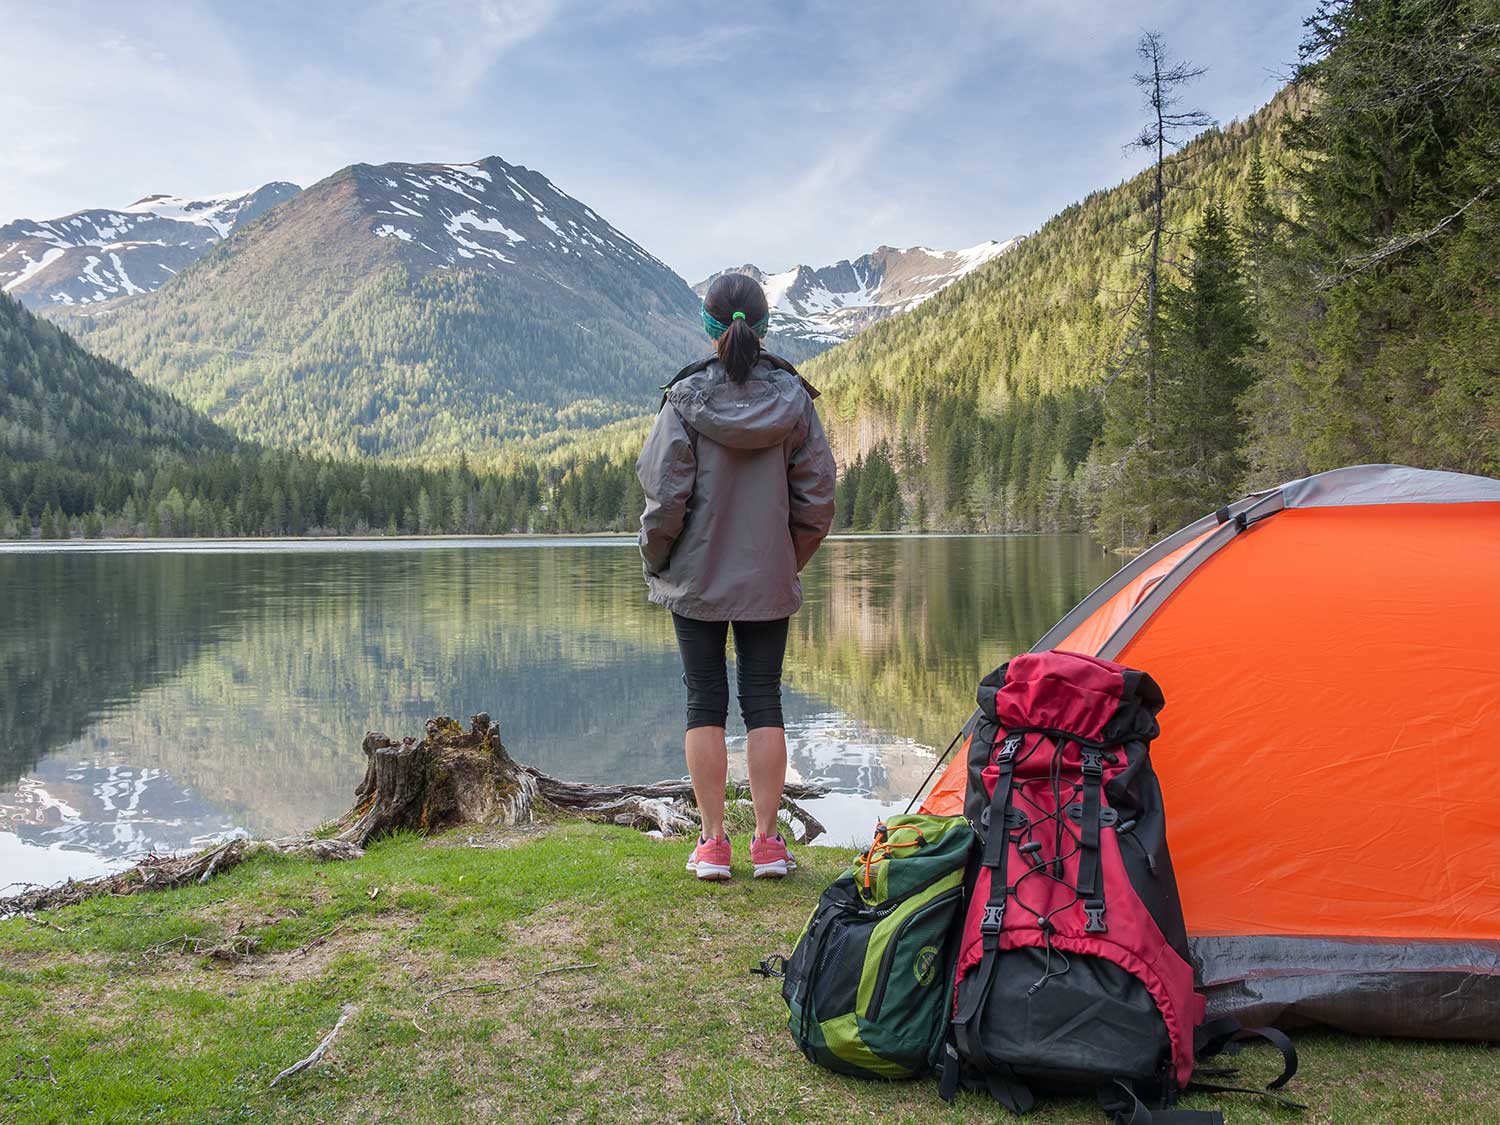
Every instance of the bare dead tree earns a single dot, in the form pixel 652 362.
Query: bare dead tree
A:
pixel 1168 128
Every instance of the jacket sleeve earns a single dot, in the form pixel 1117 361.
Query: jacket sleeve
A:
pixel 810 480
pixel 667 467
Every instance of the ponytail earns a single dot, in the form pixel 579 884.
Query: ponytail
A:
pixel 736 315
pixel 738 348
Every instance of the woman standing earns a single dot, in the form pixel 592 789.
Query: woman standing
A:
pixel 739 494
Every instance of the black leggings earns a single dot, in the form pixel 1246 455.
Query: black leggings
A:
pixel 758 649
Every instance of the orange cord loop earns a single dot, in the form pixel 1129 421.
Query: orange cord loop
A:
pixel 881 848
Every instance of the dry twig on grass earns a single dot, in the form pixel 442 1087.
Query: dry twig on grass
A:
pixel 497 986
pixel 317 941
pixel 321 1049
pixel 35 921
pixel 45 1060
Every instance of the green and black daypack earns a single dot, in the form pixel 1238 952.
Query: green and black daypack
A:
pixel 871 977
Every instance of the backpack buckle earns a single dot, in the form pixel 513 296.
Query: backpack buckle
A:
pixel 1107 815
pixel 1093 765
pixel 1008 748
pixel 1093 912
pixel 994 918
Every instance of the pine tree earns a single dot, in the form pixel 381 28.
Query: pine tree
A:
pixel 1159 82
pixel 846 495
pixel 458 513
pixel 424 513
pixel 1380 306
pixel 1210 329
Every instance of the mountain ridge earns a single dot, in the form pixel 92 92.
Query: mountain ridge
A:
pixel 103 256
pixel 823 306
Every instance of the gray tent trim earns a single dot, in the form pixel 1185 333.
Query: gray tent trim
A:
pixel 1364 485
pixel 1368 986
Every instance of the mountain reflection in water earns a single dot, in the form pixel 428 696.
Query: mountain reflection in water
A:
pixel 157 701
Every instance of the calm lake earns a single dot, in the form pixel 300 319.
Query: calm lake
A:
pixel 154 700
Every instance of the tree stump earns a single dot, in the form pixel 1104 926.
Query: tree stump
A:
pixel 455 776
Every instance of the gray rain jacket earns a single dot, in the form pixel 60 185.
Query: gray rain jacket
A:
pixel 739 494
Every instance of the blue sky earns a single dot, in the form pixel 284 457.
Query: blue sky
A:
pixel 711 133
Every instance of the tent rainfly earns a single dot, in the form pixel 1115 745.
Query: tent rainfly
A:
pixel 1330 748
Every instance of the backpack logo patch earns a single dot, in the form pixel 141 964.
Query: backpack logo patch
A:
pixel 924 967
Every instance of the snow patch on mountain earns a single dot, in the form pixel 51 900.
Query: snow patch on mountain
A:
pixel 29 267
pixel 490 215
pixel 217 212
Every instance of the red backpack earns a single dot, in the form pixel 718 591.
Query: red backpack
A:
pixel 1073 972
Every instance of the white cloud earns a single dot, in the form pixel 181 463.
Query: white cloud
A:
pixel 712 45
pixel 462 39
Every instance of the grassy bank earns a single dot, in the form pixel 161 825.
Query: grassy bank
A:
pixel 182 1006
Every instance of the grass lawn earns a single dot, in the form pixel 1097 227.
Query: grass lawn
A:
pixel 182 1006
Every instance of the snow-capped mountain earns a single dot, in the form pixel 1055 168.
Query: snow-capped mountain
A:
pixel 99 255
pixel 487 215
pixel 826 306
pixel 414 309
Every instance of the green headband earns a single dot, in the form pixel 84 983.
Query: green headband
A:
pixel 716 328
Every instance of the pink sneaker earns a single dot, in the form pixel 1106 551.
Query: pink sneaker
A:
pixel 771 859
pixel 710 859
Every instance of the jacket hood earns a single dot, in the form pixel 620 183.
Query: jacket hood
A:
pixel 764 410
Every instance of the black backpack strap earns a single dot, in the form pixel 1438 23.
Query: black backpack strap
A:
pixel 783 365
pixel 999 1082
pixel 950 1070
pixel 1226 1035
pixel 772 966
pixel 1215 1088
pixel 1212 1036
pixel 1009 1090
pixel 1090 888
pixel 1125 1108
pixel 996 853
pixel 703 365
pixel 690 369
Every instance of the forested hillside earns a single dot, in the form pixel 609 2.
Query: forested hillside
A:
pixel 1379 292
pixel 86 448
pixel 68 419
pixel 1328 295
pixel 986 398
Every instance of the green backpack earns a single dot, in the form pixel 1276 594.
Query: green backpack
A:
pixel 870 980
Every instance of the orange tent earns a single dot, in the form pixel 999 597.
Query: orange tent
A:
pixel 1330 749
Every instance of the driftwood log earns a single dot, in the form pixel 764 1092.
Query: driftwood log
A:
pixel 450 777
